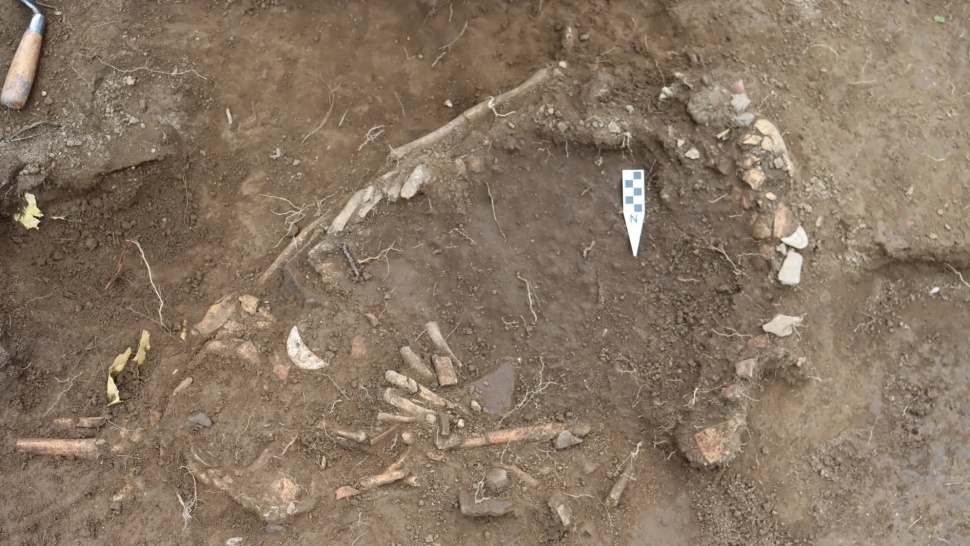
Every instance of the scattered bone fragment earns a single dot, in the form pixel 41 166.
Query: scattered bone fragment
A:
pixel 80 422
pixel 379 480
pixel 401 381
pixel 394 418
pixel 416 366
pixel 88 448
pixel 358 436
pixel 346 492
pixel 439 341
pixel 420 176
pixel 534 433
pixel 384 436
pixel 340 222
pixel 446 371
pixel 395 398
pixel 782 325
pixel 616 492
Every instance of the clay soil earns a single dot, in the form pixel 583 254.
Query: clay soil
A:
pixel 213 133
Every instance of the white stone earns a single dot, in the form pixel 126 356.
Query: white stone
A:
pixel 692 154
pixel 740 102
pixel 782 325
pixel 790 273
pixel 797 240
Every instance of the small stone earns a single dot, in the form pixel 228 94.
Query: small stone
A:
pixel 449 104
pixel 712 446
pixel 249 304
pixel 274 529
pixel 497 480
pixel 746 369
pixel 133 120
pixel 790 273
pixel 48 101
pixel 200 419
pixel 778 163
pixel 761 226
pixel 431 418
pixel 740 102
pixel 584 37
pixel 737 86
pixel 482 509
pixel 371 319
pixel 563 64
pixel 693 153
pixel 296 162
pixel 797 240
pixel 475 405
pixel 782 325
pixel 130 81
pixel 629 109
pixel 282 371
pixel 566 440
pixel 706 105
pixel 784 224
pixel 323 462
pixel 754 178
pixel 561 510
pixel 770 196
pixel 758 342
pixel 91 243
pixel 614 128
pixel 346 492
pixel 743 120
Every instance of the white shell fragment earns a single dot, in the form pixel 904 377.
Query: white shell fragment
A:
pixel 797 240
pixel 782 325
pixel 301 355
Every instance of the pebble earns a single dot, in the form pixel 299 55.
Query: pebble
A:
pixel 200 419
pixel 273 528
pixel 754 178
pixel 784 225
pixel 740 102
pixel 782 325
pixel 761 226
pixel 797 240
pixel 249 304
pixel 744 120
pixel 130 81
pixel 790 273
pixel 562 511
pixel 629 108
pixel 566 439
pixel 133 120
pixel 770 196
pixel 48 101
pixel 693 153
pixel 614 128
pixel 497 480
pixel 475 405
pixel 704 106
pixel 91 243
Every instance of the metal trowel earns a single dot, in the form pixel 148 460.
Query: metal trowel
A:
pixel 23 68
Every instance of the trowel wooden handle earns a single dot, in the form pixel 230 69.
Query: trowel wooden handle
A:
pixel 20 78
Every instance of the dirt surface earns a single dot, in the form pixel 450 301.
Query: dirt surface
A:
pixel 218 135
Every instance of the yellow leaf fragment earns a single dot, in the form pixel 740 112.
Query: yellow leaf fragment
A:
pixel 116 368
pixel 143 346
pixel 30 217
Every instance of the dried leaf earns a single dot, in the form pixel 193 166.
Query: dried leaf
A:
pixel 116 368
pixel 143 346
pixel 30 216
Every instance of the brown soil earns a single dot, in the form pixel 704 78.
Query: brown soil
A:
pixel 851 432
